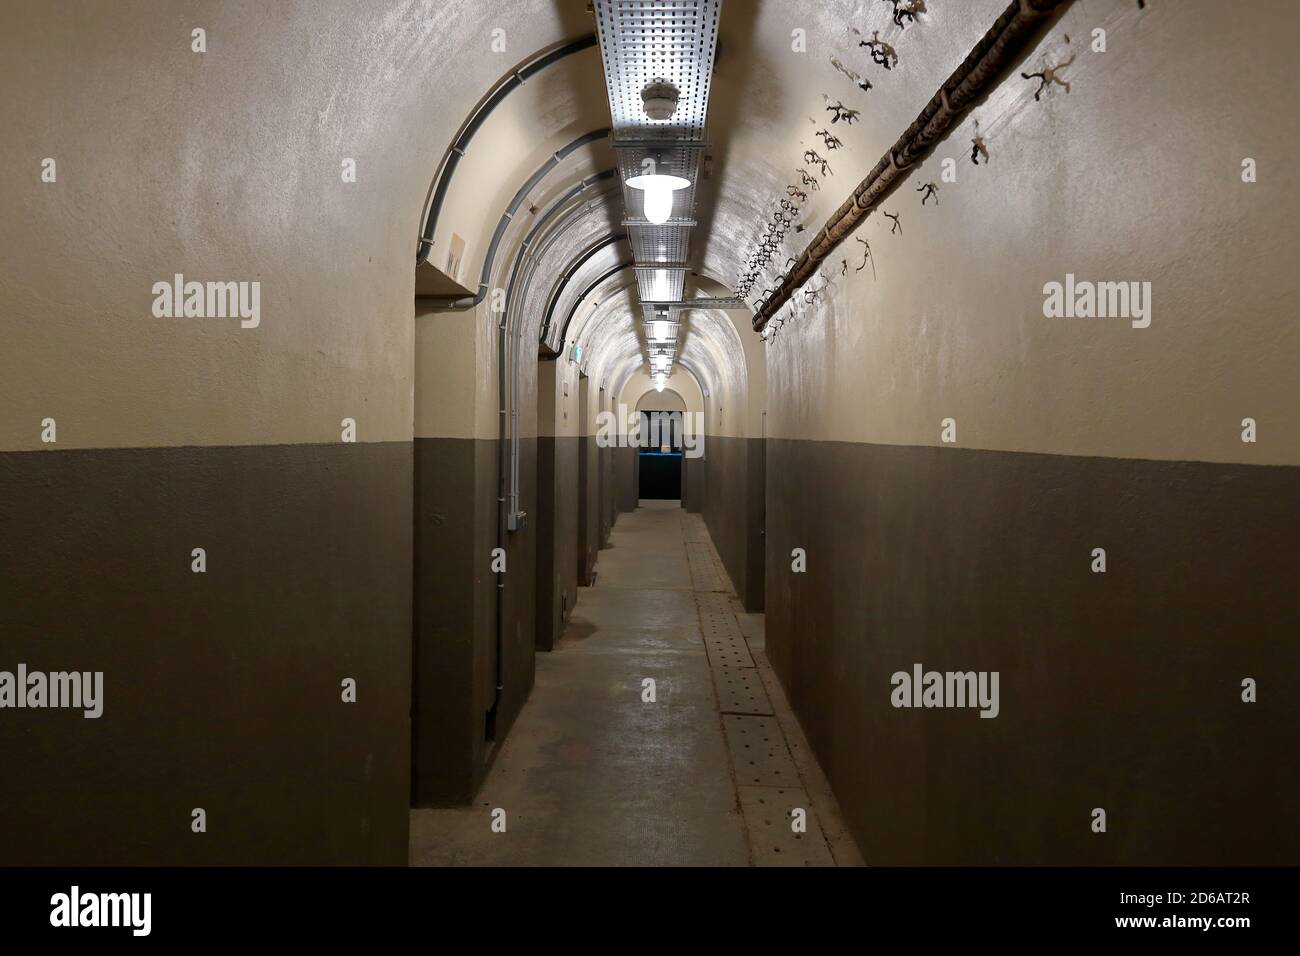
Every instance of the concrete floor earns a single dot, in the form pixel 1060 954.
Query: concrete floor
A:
pixel 590 774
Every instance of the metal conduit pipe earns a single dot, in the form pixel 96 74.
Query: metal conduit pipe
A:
pixel 578 262
pixel 532 262
pixel 528 255
pixel 513 497
pixel 525 256
pixel 456 150
pixel 976 75
pixel 512 513
pixel 604 314
pixel 502 521
pixel 468 302
pixel 613 270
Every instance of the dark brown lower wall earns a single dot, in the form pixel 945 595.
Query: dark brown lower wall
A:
pixel 608 503
pixel 627 468
pixel 455 516
pixel 1119 691
pixel 733 507
pixel 519 625
pixel 455 615
pixel 588 509
pixel 557 536
pixel 222 690
pixel 694 482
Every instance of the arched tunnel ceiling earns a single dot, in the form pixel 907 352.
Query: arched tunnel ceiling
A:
pixel 610 332
pixel 768 103
pixel 555 244
pixel 600 252
pixel 551 110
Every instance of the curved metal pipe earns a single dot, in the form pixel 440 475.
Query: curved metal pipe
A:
pixel 502 520
pixel 976 75
pixel 467 302
pixel 525 246
pixel 573 310
pixel 577 263
pixel 456 150
pixel 513 515
pixel 602 315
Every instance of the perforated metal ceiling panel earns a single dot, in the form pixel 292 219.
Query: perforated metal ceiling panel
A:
pixel 658 41
pixel 666 244
pixel 646 40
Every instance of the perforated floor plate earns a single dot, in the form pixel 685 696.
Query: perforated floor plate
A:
pixel 769 814
pixel 758 752
pixel 740 691
pixel 694 529
pixel 722 636
pixel 706 570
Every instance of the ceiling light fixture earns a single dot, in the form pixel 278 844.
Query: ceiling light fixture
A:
pixel 658 190
pixel 659 99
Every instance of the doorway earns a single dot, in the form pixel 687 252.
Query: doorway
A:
pixel 660 461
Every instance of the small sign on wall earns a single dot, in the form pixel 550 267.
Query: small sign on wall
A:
pixel 455 253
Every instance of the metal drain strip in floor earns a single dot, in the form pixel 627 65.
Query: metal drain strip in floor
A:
pixel 694 530
pixel 741 691
pixel 758 751
pixel 722 635
pixel 781 826
pixel 783 830
pixel 707 572
pixel 706 569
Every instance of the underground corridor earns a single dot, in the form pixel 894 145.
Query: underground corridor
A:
pixel 652 735
pixel 649 433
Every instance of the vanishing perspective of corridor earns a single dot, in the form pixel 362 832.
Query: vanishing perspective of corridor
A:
pixel 855 434
pixel 602 769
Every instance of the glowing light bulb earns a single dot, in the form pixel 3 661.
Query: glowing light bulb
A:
pixel 658 191
pixel 661 332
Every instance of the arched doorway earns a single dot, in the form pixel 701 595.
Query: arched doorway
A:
pixel 659 462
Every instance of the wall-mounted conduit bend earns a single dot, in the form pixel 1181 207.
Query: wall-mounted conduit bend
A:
pixel 976 76
pixel 591 287
pixel 528 255
pixel 578 262
pixel 468 302
pixel 505 520
pixel 505 86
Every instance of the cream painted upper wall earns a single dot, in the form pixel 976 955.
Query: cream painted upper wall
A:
pixel 557 399
pixel 448 379
pixel 554 107
pixel 682 382
pixel 226 165
pixel 526 128
pixel 557 386
pixel 661 401
pixel 1134 175
pixel 725 343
